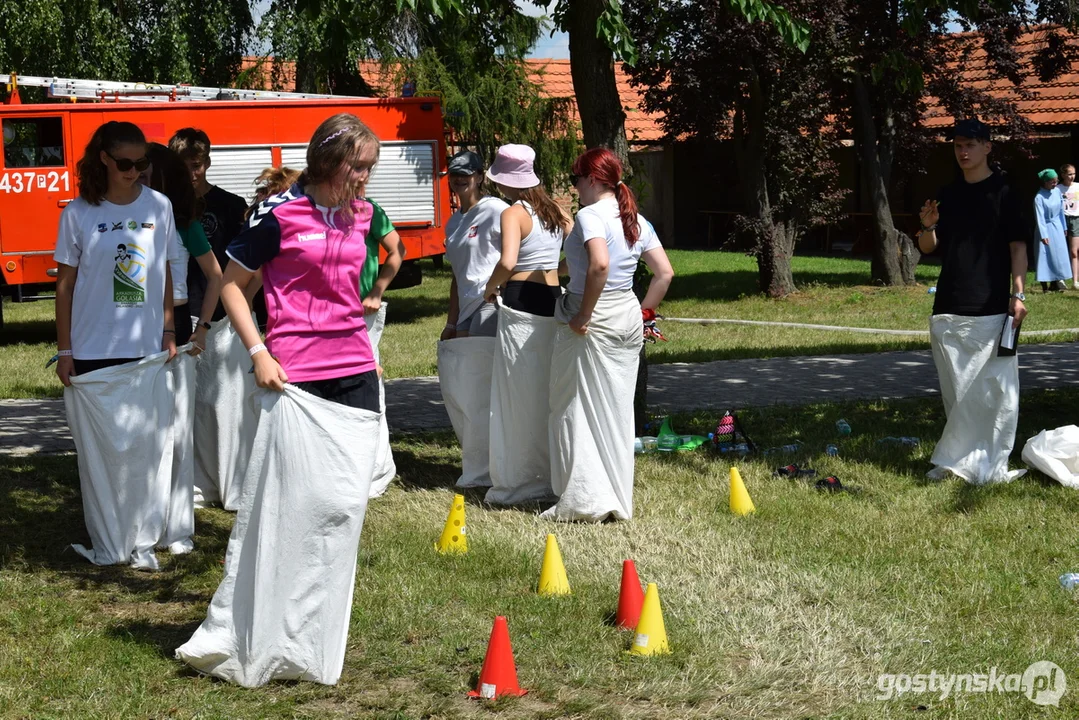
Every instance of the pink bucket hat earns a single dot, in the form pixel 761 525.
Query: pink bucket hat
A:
pixel 513 167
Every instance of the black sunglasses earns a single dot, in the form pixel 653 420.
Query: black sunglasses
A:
pixel 573 179
pixel 124 164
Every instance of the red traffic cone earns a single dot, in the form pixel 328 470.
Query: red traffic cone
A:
pixel 499 674
pixel 630 597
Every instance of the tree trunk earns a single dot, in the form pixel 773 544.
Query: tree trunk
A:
pixel 592 66
pixel 894 254
pixel 775 240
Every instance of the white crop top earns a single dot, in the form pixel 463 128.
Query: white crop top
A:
pixel 540 249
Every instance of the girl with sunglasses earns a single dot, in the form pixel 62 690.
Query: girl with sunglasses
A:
pixel 113 249
pixel 594 366
pixel 114 307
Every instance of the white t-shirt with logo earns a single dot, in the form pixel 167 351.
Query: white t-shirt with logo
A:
pixel 1070 195
pixel 601 220
pixel 121 252
pixel 474 247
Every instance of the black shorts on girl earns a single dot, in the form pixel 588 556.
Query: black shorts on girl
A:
pixel 530 297
pixel 356 391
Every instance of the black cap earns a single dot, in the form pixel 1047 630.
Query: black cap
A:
pixel 970 128
pixel 465 162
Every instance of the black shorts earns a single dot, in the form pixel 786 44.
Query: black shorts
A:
pixel 181 320
pixel 356 391
pixel 82 367
pixel 530 297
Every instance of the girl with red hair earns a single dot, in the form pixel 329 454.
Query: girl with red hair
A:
pixel 594 367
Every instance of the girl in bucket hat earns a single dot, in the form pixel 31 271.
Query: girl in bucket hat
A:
pixel 473 247
pixel 533 228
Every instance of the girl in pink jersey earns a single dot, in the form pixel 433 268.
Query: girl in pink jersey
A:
pixel 283 608
pixel 309 243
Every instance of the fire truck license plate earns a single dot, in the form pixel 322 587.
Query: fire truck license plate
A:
pixel 24 181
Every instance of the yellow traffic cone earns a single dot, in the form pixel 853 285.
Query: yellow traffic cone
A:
pixel 553 580
pixel 741 504
pixel 453 538
pixel 651 635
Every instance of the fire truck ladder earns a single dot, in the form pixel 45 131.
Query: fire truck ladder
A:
pixel 74 89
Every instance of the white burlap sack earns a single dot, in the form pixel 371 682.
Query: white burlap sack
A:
pixel 120 418
pixel 180 524
pixel 520 408
pixel 224 417
pixel 464 376
pixel 981 399
pixel 593 378
pixel 282 610
pixel 1055 453
pixel 385 468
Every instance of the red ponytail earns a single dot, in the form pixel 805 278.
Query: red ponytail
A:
pixel 603 166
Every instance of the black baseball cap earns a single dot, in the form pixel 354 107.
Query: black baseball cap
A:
pixel 465 162
pixel 970 128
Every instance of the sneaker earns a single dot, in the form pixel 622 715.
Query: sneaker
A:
pixel 830 484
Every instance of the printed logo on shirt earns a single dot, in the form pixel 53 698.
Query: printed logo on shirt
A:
pixel 129 276
pixel 148 226
pixel 473 231
pixel 102 227
pixel 304 237
pixel 118 226
pixel 209 223
pixel 132 225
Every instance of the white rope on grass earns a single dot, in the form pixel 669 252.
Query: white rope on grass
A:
pixel 836 328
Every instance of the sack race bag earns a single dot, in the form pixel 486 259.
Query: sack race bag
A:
pixel 224 417
pixel 180 523
pixel 120 418
pixel 1055 453
pixel 464 376
pixel 385 468
pixel 980 391
pixel 593 378
pixel 282 611
pixel 520 453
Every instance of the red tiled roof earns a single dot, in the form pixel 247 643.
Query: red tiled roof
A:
pixel 553 76
pixel 1050 103
pixel 555 79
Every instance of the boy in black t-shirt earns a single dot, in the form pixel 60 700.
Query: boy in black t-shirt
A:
pixel 222 213
pixel 976 228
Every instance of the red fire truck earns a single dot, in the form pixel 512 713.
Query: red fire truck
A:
pixel 250 130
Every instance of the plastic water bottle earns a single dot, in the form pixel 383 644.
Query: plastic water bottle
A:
pixel 843 427
pixel 1069 581
pixel 668 443
pixel 932 289
pixel 832 450
pixel 739 449
pixel 644 444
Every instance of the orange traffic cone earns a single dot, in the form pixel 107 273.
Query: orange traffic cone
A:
pixel 630 597
pixel 499 674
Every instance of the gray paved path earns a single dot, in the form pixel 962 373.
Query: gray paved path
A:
pixel 33 426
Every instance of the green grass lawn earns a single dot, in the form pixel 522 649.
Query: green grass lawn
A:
pixel 790 613
pixel 709 284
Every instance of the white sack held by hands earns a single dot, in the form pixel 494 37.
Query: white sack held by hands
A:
pixel 224 417
pixel 385 468
pixel 593 378
pixel 120 418
pixel 180 522
pixel 1055 453
pixel 520 408
pixel 464 376
pixel 282 610
pixel 981 399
